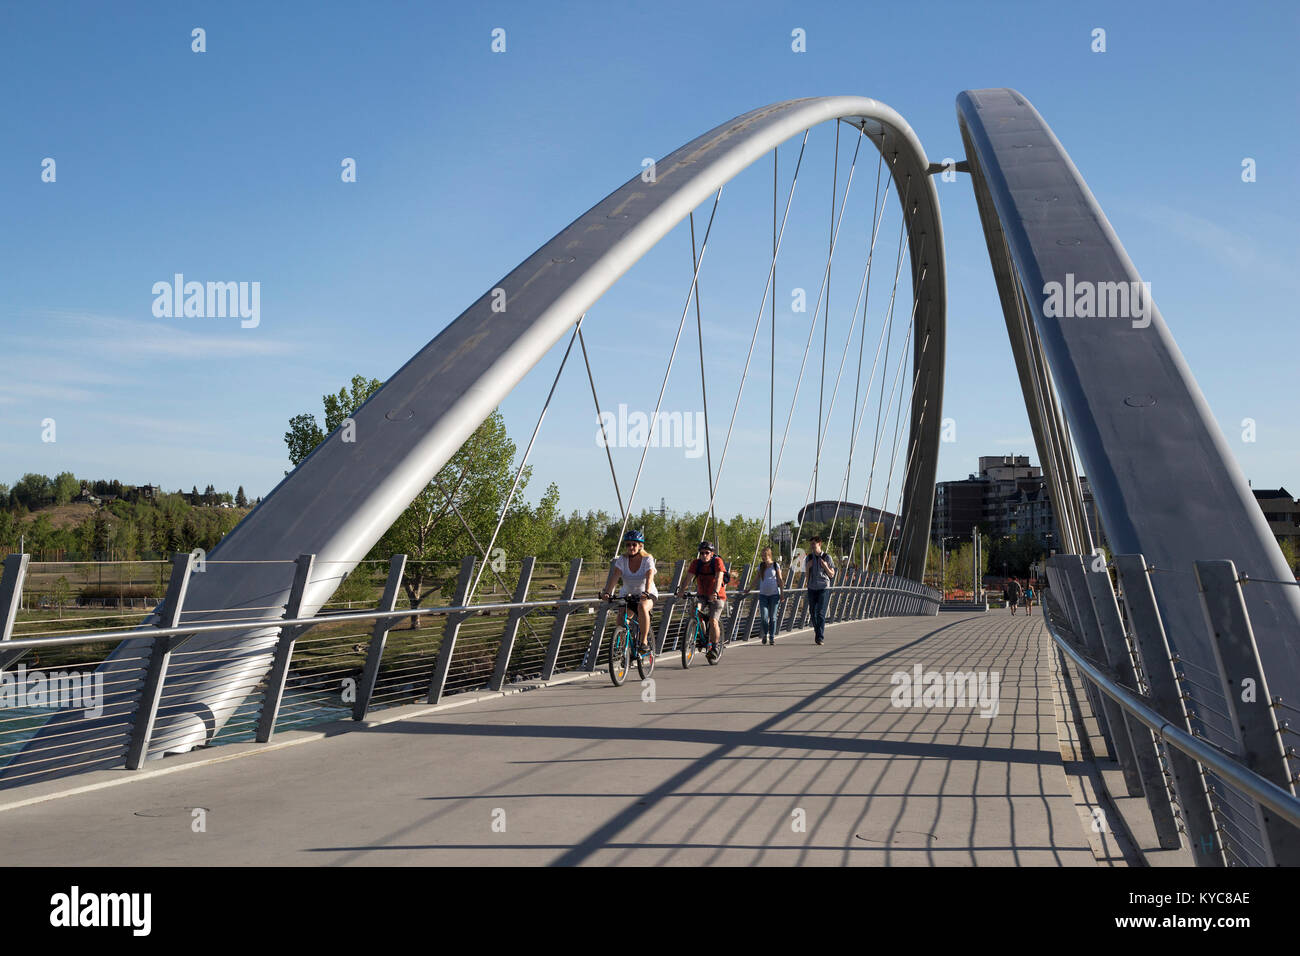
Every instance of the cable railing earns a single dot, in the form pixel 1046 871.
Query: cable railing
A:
pixel 74 700
pixel 1209 749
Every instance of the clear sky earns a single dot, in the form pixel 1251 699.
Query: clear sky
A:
pixel 225 165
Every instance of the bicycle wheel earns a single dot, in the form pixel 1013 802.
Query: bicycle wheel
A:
pixel 645 661
pixel 620 652
pixel 690 635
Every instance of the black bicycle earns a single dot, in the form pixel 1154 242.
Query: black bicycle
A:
pixel 625 645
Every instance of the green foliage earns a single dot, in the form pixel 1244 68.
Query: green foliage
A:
pixel 1288 552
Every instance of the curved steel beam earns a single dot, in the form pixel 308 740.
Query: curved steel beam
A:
pixel 1165 482
pixel 345 495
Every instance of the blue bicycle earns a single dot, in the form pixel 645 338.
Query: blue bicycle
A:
pixel 697 635
pixel 626 645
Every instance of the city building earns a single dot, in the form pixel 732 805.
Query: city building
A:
pixel 1008 498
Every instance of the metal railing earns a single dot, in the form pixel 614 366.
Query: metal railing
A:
pixel 102 698
pixel 1212 752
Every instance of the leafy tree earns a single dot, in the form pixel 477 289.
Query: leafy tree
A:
pixel 241 499
pixel 33 491
pixel 66 487
pixel 61 592
pixel 305 434
pixel 1288 551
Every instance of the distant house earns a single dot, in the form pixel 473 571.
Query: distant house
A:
pixel 1282 512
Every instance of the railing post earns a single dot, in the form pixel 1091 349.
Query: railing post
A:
pixel 836 598
pixel 1090 631
pixel 512 625
pixel 379 637
pixel 1069 607
pixel 562 611
pixel 592 656
pixel 11 595
pixel 1156 661
pixel 753 607
pixel 733 626
pixel 789 613
pixel 1250 707
pixel 670 603
pixel 1118 655
pixel 442 666
pixel 799 599
pixel 160 653
pixel 842 592
pixel 275 681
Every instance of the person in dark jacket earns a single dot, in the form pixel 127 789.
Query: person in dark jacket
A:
pixel 820 571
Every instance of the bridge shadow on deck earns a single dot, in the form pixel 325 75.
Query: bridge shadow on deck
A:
pixel 968 646
pixel 781 755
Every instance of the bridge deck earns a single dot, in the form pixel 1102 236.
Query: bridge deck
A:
pixel 713 771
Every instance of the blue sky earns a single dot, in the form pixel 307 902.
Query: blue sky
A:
pixel 225 165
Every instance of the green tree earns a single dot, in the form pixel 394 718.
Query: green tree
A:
pixel 1288 551
pixel 61 592
pixel 305 434
pixel 66 487
pixel 241 499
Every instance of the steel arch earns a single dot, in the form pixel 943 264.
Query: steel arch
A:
pixel 345 495
pixel 1165 482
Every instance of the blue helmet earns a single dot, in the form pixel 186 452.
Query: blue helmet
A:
pixel 634 535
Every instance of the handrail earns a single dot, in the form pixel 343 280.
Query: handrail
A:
pixel 254 624
pixel 1233 772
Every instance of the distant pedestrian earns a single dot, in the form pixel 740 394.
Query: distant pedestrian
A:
pixel 818 574
pixel 1029 595
pixel 771 577
pixel 1011 593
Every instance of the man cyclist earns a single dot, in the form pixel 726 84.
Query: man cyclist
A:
pixel 710 574
pixel 636 566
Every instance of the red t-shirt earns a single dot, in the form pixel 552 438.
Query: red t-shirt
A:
pixel 707 577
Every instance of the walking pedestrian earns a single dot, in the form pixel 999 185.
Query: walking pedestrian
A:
pixel 771 577
pixel 1012 594
pixel 819 571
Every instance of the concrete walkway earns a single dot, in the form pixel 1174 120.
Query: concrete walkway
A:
pixel 780 755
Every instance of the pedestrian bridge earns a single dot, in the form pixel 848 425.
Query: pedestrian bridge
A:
pixel 1183 648
pixel 785 754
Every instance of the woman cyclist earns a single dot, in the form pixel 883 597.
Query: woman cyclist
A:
pixel 636 566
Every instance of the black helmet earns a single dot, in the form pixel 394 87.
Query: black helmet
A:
pixel 705 546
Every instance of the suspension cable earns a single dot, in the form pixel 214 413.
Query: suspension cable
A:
pixel 600 417
pixel 893 298
pixel 704 394
pixel 654 421
pixel 826 326
pixel 812 329
pixel 527 451
pixel 771 275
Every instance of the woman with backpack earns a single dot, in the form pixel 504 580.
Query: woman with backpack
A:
pixel 771 577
